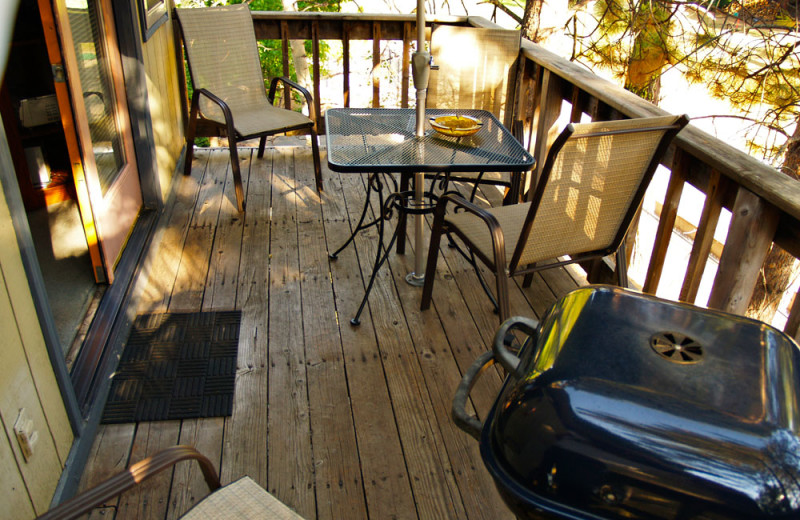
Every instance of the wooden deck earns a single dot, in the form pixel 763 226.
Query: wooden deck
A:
pixel 337 422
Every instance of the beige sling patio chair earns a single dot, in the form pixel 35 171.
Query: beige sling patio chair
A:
pixel 242 499
pixel 474 67
pixel 592 183
pixel 229 93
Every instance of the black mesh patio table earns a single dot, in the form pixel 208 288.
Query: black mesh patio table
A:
pixel 383 141
pixel 374 140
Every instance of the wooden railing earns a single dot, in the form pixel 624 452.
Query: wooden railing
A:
pixel 765 204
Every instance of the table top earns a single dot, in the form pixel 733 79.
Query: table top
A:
pixel 365 140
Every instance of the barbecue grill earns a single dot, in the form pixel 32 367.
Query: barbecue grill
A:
pixel 625 406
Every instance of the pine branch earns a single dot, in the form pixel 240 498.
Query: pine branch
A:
pixel 503 8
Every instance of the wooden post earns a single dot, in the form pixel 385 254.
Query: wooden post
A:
pixel 532 80
pixel 749 238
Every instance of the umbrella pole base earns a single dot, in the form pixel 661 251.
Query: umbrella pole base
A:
pixel 417 280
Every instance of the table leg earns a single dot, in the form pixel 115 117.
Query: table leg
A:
pixel 373 184
pixel 401 221
pixel 381 254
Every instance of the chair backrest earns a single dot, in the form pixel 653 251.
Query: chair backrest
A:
pixel 593 181
pixel 475 68
pixel 222 52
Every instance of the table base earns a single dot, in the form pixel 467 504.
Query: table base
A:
pixel 402 201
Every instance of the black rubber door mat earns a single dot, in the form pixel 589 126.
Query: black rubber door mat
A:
pixel 176 366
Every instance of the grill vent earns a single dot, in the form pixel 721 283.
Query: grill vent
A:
pixel 677 347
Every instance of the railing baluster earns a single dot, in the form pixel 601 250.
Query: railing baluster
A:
pixel 704 238
pixel 406 79
pixel 666 223
pixel 792 327
pixel 346 63
pixel 749 238
pixel 315 55
pixel 549 110
pixel 287 95
pixel 376 63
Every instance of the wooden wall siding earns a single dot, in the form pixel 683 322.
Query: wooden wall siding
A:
pixel 163 92
pixel 28 382
pixel 548 86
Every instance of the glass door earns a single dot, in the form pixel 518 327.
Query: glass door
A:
pixel 110 179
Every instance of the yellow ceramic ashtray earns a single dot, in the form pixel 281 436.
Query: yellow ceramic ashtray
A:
pixel 454 125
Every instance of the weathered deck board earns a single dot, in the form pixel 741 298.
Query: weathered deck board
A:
pixel 386 483
pixel 435 492
pixel 290 466
pixel 246 435
pixel 337 474
pixel 188 485
pixel 336 421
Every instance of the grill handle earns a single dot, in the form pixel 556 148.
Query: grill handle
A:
pixel 503 339
pixel 470 423
pixel 500 352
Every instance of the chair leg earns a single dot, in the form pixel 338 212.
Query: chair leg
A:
pixel 622 266
pixel 527 280
pixel 237 174
pixel 503 309
pixel 433 255
pixel 261 145
pixel 315 153
pixel 190 131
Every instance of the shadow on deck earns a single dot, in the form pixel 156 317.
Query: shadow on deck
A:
pixel 335 421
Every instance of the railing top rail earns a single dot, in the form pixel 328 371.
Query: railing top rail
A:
pixel 357 17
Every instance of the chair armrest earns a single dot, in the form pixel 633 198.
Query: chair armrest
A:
pixel 273 87
pixel 226 111
pixel 498 240
pixel 471 207
pixel 129 478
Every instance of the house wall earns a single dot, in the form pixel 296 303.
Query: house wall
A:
pixel 164 99
pixel 26 382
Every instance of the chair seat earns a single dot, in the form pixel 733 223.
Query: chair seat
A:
pixel 243 499
pixel 557 243
pixel 511 219
pixel 253 120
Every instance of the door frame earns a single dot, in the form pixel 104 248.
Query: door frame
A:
pixel 84 404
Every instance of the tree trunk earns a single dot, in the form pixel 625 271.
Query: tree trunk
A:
pixel 531 20
pixel 299 57
pixel 779 267
pixel 646 62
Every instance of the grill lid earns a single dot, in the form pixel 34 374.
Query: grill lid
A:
pixel 632 407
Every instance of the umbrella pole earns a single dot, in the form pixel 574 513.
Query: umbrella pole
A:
pixel 420 71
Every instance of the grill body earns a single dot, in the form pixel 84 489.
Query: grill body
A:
pixel 627 406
